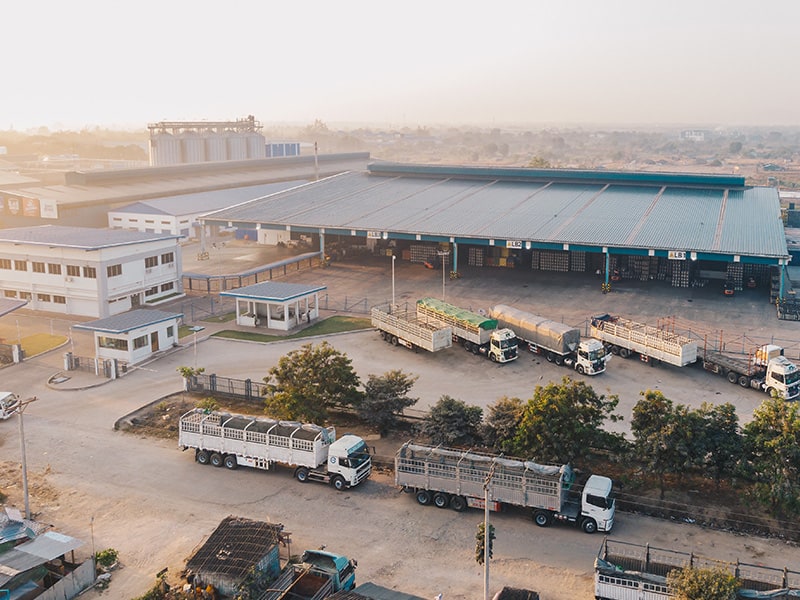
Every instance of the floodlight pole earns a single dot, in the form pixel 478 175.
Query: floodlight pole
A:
pixel 394 257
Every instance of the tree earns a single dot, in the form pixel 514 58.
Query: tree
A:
pixel 723 442
pixel 480 542
pixel 563 422
pixel 385 397
pixel 501 424
pixel 309 381
pixel 702 584
pixel 772 455
pixel 451 422
pixel 650 425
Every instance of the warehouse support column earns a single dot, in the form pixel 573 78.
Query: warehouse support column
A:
pixel 608 266
pixel 321 246
pixel 782 279
pixel 455 257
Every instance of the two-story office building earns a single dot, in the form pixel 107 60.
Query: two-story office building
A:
pixel 86 271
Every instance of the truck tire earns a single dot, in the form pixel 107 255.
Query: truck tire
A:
pixel 423 497
pixel 744 381
pixel 468 346
pixel 771 391
pixel 395 341
pixel 440 500
pixel 231 462
pixel 542 518
pixel 580 369
pixel 492 357
pixel 458 503
pixel 624 352
pixel 202 457
pixel 301 474
pixel 216 459
pixel 559 360
pixel 550 357
pixel 589 526
pixel 338 483
pixel 615 350
pixel 732 376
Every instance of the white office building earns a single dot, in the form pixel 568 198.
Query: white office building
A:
pixel 88 272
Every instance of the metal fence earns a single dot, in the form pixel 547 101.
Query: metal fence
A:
pixel 102 367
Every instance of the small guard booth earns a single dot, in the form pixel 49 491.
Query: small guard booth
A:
pixel 276 305
pixel 135 335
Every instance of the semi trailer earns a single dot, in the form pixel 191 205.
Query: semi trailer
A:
pixel 399 326
pixel 232 440
pixel 765 369
pixel 557 342
pixel 478 333
pixel 454 478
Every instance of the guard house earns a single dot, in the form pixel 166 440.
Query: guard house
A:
pixel 135 335
pixel 276 305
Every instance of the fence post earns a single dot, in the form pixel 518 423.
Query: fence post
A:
pixel 212 382
pixel 248 389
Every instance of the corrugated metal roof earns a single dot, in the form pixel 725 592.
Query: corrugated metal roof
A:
pixel 50 545
pixel 273 291
pixel 706 214
pixel 128 321
pixel 83 238
pixel 8 305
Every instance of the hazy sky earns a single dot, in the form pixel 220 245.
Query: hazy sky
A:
pixel 70 64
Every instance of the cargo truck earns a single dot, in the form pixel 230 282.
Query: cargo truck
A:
pixel 9 403
pixel 231 440
pixel 478 334
pixel 318 575
pixel 765 369
pixel 399 326
pixel 557 342
pixel 456 478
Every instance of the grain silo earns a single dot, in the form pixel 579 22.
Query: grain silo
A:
pixel 237 146
pixel 216 147
pixel 193 146
pixel 165 149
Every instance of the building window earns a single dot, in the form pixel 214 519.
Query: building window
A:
pixel 24 295
pixel 150 221
pixel 140 342
pixel 90 272
pixel 10 293
pixel 113 343
pixel 117 218
pixel 5 263
pixel 38 267
pixel 73 271
pixel 152 291
pixel 167 258
pixel 43 297
pixel 165 222
pixel 134 220
pixel 151 261
pixel 21 265
pixel 114 270
pixel 59 299
pixel 54 269
pixel 170 331
pixel 165 287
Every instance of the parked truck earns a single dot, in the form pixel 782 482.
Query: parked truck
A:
pixel 318 575
pixel 765 369
pixel 628 571
pixel 399 326
pixel 557 342
pixel 455 478
pixel 478 333
pixel 232 440
pixel 9 403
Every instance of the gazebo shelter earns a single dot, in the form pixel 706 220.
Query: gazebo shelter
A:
pixel 276 305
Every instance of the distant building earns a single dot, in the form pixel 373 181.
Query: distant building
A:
pixel 696 135
pixel 88 272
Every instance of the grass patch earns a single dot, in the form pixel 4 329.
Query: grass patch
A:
pixel 336 324
pixel 226 318
pixel 41 342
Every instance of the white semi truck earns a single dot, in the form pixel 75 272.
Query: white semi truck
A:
pixel 232 440
pixel 765 369
pixel 399 326
pixel 455 478
pixel 557 342
pixel 478 333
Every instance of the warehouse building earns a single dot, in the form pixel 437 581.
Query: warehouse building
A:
pixel 682 229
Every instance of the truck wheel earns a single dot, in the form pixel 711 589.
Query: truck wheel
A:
pixel 615 350
pixel 395 341
pixel 733 377
pixel 202 457
pixel 771 392
pixel 216 459
pixel 492 357
pixel 301 474
pixel 458 503
pixel 744 381
pixel 542 518
pixel 231 462
pixel 440 500
pixel 624 352
pixel 560 360
pixel 423 497
pixel 589 526
pixel 551 357
pixel 468 346
pixel 580 369
pixel 338 483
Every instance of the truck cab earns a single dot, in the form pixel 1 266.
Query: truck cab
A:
pixel 783 377
pixel 349 457
pixel 591 357
pixel 597 503
pixel 340 569
pixel 9 403
pixel 503 346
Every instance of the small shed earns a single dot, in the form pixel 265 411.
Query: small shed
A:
pixel 135 335
pixel 238 549
pixel 276 305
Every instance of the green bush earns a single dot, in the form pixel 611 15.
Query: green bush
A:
pixel 107 557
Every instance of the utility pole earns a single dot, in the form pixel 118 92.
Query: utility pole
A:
pixel 20 410
pixel 486 532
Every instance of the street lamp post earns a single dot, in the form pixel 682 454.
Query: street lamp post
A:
pixel 444 256
pixel 487 538
pixel 195 329
pixel 394 257
pixel 20 410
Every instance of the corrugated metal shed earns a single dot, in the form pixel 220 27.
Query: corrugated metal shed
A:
pixel 128 321
pixel 715 216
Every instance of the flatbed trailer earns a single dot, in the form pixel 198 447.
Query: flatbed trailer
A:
pixel 403 327
pixel 625 338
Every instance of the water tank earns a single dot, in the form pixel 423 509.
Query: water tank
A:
pixel 165 149
pixel 216 147
pixel 193 146
pixel 237 146
pixel 256 146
